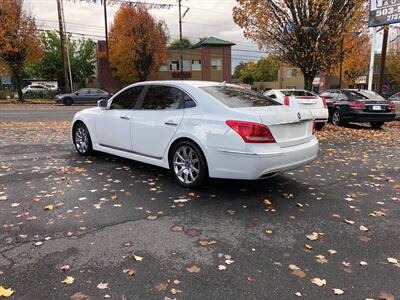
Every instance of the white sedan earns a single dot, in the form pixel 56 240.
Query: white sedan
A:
pixel 302 99
pixel 198 129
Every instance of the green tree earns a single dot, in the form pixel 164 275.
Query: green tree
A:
pixel 267 69
pixel 176 44
pixel 238 69
pixel 82 58
pixel 248 79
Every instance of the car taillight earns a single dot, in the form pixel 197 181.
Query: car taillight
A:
pixel 324 102
pixel 313 127
pixel 356 105
pixel 392 106
pixel 252 132
pixel 286 100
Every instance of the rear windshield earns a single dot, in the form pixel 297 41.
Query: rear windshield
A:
pixel 235 97
pixel 372 95
pixel 297 93
pixel 354 95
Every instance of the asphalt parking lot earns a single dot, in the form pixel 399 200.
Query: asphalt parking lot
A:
pixel 119 229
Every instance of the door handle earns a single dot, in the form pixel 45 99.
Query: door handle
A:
pixel 125 117
pixel 171 123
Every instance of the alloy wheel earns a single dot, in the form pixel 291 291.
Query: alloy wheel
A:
pixel 336 118
pixel 186 164
pixel 81 139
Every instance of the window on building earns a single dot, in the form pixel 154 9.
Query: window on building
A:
pixel 291 73
pixel 196 65
pixel 216 64
pixel 174 65
pixel 187 66
pixel 163 68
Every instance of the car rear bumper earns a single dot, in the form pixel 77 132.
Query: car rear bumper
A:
pixel 320 115
pixel 370 117
pixel 250 166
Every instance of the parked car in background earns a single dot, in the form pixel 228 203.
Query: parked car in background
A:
pixel 396 100
pixel 302 99
pixel 35 88
pixel 52 87
pixel 86 95
pixel 347 105
pixel 198 129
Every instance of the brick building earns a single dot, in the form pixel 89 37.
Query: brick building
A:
pixel 209 59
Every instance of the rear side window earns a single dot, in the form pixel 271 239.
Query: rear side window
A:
pixel 127 99
pixel 160 97
pixel 354 95
pixel 297 93
pixel 236 97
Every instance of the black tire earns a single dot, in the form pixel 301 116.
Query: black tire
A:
pixel 82 140
pixel 192 173
pixel 68 102
pixel 337 118
pixel 319 126
pixel 377 125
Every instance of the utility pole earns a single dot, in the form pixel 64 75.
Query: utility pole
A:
pixel 383 58
pixel 71 81
pixel 63 53
pixel 106 25
pixel 180 36
pixel 341 63
pixel 372 60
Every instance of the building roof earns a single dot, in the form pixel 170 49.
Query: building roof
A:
pixel 212 41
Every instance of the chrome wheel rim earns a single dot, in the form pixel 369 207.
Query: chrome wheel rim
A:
pixel 81 139
pixel 186 164
pixel 335 118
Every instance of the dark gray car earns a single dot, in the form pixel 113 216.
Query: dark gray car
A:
pixel 87 95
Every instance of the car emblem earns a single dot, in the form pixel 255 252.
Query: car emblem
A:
pixel 299 116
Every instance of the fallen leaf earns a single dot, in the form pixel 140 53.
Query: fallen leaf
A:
pixel 321 259
pixel 117 205
pixel 68 280
pixel 338 291
pixel 114 197
pixel 221 267
pixel 102 286
pixel 137 258
pixel 207 242
pixel 397 186
pixel 363 263
pixel 131 272
pixel 299 273
pixel 294 267
pixel 193 269
pixel 386 296
pixel 351 222
pixel 313 236
pixel 331 251
pixel 48 207
pixel 65 267
pixel 79 296
pixel 268 231
pixel 267 202
pixel 5 292
pixel 363 228
pixel 392 260
pixel 161 286
pixel 318 281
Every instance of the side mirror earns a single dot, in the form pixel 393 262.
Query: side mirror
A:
pixel 76 93
pixel 103 103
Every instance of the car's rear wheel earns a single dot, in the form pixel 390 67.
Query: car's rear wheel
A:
pixel 82 140
pixel 188 164
pixel 319 126
pixel 377 125
pixel 337 118
pixel 68 101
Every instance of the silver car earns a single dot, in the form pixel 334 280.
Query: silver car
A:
pixel 396 100
pixel 86 95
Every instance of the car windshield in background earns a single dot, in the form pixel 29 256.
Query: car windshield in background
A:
pixel 351 95
pixel 235 97
pixel 297 93
pixel 372 95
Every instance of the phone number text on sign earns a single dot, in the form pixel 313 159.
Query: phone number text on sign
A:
pixel 384 12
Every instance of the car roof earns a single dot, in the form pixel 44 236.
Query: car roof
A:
pixel 194 83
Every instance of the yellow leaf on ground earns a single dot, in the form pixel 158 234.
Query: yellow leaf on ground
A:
pixel 193 269
pixel 299 273
pixel 5 292
pixel 114 197
pixel 397 186
pixel 102 286
pixel 68 280
pixel 267 202
pixel 48 207
pixel 313 236
pixel 207 242
pixel 137 258
pixel 392 260
pixel 338 291
pixel 318 281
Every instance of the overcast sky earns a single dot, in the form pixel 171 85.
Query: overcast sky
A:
pixel 205 18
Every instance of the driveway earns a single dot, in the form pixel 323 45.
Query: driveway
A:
pixel 119 229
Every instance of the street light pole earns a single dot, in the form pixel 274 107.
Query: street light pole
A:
pixel 341 63
pixel 62 42
pixel 383 58
pixel 106 26
pixel 372 60
pixel 180 36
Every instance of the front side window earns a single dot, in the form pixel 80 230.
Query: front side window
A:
pixel 127 99
pixel 236 97
pixel 83 92
pixel 160 97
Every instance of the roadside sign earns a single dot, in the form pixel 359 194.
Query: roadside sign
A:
pixel 383 12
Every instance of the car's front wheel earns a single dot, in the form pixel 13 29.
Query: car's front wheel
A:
pixel 188 164
pixel 68 101
pixel 377 125
pixel 82 140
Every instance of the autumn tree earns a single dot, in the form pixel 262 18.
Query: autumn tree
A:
pixel 303 33
pixel 19 43
pixel 137 44
pixel 392 67
pixel 356 55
